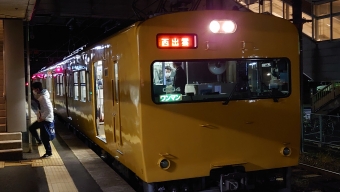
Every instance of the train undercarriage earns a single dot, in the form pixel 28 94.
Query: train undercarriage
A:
pixel 232 178
pixel 224 179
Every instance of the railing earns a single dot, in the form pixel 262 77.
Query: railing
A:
pixel 325 95
pixel 321 130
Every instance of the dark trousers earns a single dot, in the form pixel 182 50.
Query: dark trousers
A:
pixel 44 137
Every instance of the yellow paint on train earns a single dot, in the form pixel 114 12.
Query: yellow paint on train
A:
pixel 258 129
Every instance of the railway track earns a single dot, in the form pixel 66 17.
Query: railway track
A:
pixel 306 178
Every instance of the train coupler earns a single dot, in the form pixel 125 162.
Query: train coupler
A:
pixel 232 181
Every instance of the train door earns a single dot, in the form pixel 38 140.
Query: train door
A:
pixel 70 93
pixel 99 99
pixel 117 132
pixel 66 91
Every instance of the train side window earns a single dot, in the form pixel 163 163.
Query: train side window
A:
pixel 57 85
pixel 76 86
pixel 88 86
pixel 70 85
pixel 49 85
pixel 117 81
pixel 61 85
pixel 83 86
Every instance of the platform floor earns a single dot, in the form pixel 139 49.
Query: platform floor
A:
pixel 72 167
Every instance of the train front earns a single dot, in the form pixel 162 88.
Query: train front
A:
pixel 220 95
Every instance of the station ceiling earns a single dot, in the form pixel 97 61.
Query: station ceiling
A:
pixel 57 27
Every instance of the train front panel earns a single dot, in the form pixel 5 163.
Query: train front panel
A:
pixel 239 104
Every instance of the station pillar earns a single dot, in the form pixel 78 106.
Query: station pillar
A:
pixel 14 72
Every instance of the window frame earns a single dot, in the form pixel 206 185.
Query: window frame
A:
pixel 60 85
pixel 83 85
pixel 289 73
pixel 76 86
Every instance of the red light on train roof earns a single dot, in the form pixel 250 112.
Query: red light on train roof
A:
pixel 58 70
pixel 176 41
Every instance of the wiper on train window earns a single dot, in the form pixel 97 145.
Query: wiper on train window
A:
pixel 230 95
pixel 275 95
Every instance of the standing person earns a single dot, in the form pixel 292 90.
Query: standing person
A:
pixel 45 119
pixel 168 77
pixel 180 78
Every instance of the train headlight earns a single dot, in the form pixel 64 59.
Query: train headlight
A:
pixel 286 151
pixel 223 26
pixel 214 26
pixel 164 163
pixel 229 27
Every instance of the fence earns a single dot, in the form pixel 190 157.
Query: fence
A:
pixel 321 130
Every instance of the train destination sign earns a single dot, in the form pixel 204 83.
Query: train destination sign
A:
pixel 177 41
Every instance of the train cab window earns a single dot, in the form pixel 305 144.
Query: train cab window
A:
pixel 220 80
pixel 76 87
pixel 83 86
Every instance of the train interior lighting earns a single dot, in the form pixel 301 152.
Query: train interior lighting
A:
pixel 211 80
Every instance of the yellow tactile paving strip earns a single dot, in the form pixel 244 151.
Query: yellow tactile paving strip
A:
pixel 54 160
pixel 57 176
pixel 59 180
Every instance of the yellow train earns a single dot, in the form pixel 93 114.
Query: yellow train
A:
pixel 189 101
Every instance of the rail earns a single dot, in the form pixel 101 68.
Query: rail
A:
pixel 311 178
pixel 318 169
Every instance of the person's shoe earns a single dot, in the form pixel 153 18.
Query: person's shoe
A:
pixel 37 143
pixel 46 155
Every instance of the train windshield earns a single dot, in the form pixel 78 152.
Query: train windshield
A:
pixel 220 80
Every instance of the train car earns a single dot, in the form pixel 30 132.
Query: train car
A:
pixel 189 101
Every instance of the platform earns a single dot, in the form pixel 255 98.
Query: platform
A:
pixel 72 167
